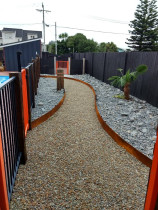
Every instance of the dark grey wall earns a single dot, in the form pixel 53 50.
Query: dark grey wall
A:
pixel 47 63
pixel 76 67
pixel 146 86
pixel 113 62
pixel 89 63
pixel 98 65
pixel 28 50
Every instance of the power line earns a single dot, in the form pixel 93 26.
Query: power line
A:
pixel 109 20
pixel 80 29
pixel 90 30
pixel 18 24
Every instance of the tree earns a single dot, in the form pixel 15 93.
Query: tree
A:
pixel 51 47
pixel 62 44
pixel 125 80
pixel 71 43
pixel 63 36
pixel 144 36
pixel 102 47
pixel 108 47
pixel 111 47
pixel 80 43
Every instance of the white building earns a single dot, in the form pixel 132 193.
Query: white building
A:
pixel 13 35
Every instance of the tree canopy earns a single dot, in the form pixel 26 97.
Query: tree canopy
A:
pixel 107 47
pixel 79 44
pixel 144 28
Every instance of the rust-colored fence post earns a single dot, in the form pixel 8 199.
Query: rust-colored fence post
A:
pixel 20 115
pixel 4 203
pixel 28 75
pixel 151 202
pixel 60 79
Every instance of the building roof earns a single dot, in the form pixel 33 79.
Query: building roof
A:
pixel 19 32
pixel 23 33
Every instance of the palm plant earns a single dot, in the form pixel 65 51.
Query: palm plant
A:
pixel 125 80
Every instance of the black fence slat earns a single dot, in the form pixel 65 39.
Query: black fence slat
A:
pixel 114 61
pixel 98 65
pixel 76 66
pixel 4 139
pixel 7 134
pixel 10 136
pixel 89 63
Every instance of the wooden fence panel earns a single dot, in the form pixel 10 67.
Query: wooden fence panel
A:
pixel 98 65
pixel 113 62
pixel 89 63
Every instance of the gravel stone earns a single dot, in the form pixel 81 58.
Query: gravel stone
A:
pixel 121 115
pixel 73 163
pixel 47 97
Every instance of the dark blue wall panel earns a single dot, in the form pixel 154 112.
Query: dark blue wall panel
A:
pixel 28 50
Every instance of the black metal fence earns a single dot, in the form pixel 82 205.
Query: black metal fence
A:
pixel 104 65
pixel 9 134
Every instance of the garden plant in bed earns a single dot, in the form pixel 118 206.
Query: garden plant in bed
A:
pixel 125 80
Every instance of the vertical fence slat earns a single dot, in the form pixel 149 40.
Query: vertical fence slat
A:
pixel 5 141
pixel 4 204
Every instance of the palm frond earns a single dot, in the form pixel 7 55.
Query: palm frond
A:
pixel 142 69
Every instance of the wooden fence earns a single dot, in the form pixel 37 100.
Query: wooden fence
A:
pixel 104 65
pixel 16 101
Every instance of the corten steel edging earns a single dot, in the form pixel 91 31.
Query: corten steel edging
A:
pixel 120 141
pixel 44 117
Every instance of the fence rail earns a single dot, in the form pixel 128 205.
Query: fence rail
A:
pixel 9 135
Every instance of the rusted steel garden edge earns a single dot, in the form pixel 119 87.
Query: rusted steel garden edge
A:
pixel 133 151
pixel 44 117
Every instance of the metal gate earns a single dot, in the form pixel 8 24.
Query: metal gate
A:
pixel 63 65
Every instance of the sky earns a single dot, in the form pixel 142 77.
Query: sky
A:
pixel 102 15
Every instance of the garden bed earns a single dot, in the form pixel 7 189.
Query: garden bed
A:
pixel 135 120
pixel 47 97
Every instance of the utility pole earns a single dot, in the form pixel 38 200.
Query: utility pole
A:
pixel 43 10
pixel 56 51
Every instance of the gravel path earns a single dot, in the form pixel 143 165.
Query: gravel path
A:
pixel 73 164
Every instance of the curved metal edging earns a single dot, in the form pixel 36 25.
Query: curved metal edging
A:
pixel 120 141
pixel 44 117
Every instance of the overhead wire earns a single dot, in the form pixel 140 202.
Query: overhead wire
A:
pixel 90 30
pixel 109 20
